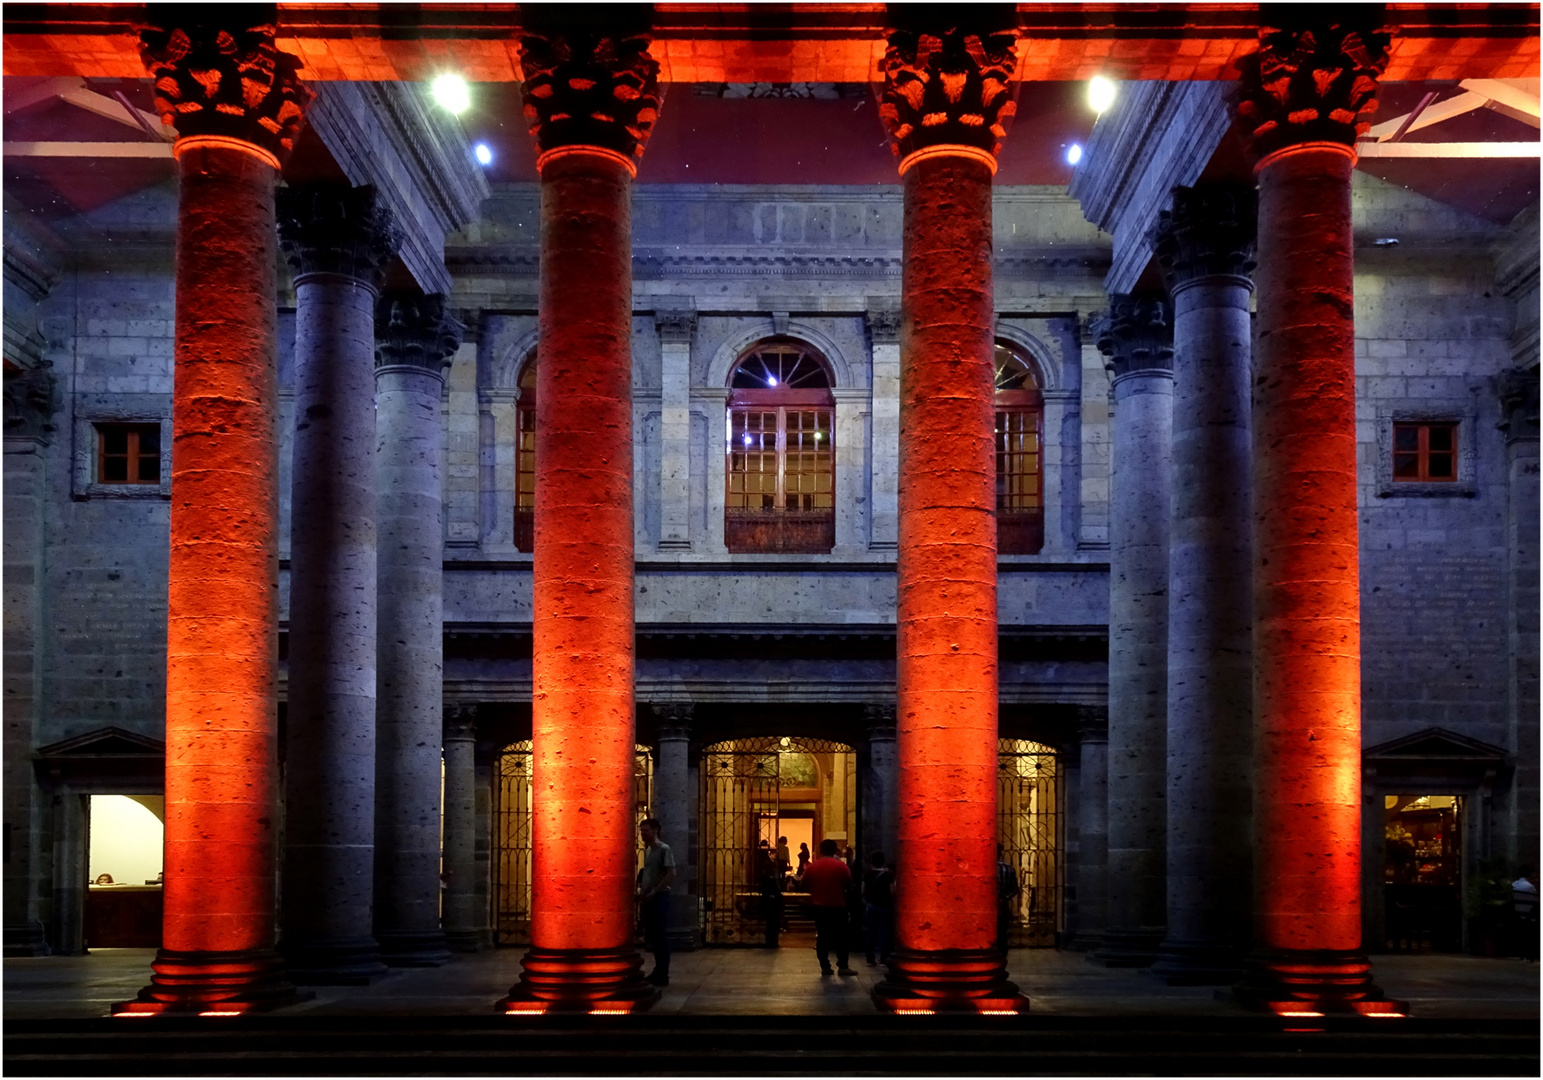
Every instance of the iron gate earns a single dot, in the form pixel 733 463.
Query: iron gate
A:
pixel 1029 830
pixel 512 835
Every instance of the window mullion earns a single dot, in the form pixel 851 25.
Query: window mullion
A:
pixel 781 497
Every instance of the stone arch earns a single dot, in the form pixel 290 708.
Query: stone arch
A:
pixel 508 361
pixel 1037 353
pixel 754 330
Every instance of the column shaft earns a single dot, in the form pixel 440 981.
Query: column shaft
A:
pixel 466 927
pixel 1093 844
pixel 672 806
pixel 329 842
pixel 879 803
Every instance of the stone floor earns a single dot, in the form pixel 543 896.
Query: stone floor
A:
pixel 783 981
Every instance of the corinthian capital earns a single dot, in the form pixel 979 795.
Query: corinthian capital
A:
pixel 411 328
pixel 1137 334
pixel 1314 78
pixel 218 72
pixel 947 84
pixel 337 229
pixel 587 88
pixel 1210 232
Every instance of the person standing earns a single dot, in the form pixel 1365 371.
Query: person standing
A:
pixel 827 880
pixel 803 858
pixel 654 881
pixel 878 909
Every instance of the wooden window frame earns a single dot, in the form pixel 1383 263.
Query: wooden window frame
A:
pixel 1020 530
pixel 134 457
pixel 779 529
pixel 1421 454
pixel 525 459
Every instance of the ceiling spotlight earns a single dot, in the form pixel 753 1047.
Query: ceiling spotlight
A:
pixel 484 155
pixel 1101 94
pixel 452 94
pixel 1073 154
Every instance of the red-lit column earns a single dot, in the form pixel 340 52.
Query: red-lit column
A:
pixel 590 101
pixel 945 102
pixel 236 104
pixel 1305 94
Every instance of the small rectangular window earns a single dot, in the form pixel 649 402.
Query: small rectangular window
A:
pixel 1425 453
pixel 128 453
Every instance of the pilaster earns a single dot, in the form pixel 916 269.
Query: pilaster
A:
pixel 676 328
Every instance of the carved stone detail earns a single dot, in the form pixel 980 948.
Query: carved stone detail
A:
pixel 1211 231
pixel 1314 79
pixel 1092 723
pixel 948 85
pixel 31 399
pixel 675 325
pixel 460 722
pixel 883 326
pixel 1518 389
pixel 585 89
pixel 225 76
pixel 880 720
pixel 337 229
pixel 411 328
pixel 674 719
pixel 1137 334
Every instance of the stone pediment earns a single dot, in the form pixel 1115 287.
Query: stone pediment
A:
pixel 1435 745
pixel 112 742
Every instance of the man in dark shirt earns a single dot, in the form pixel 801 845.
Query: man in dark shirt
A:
pixel 827 879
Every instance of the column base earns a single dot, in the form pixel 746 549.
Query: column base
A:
pixel 1198 963
pixel 26 939
pixel 925 981
pixel 352 962
pixel 213 984
pixel 414 948
pixel 1128 948
pixel 580 980
pixel 1311 983
pixel 468 941
pixel 1086 941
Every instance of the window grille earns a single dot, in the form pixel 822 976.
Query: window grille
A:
pixel 1029 828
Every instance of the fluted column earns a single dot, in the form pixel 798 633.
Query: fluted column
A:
pixel 1093 846
pixel 591 97
pixel 1205 247
pixel 672 806
pixel 945 104
pixel 1304 98
pixel 236 103
pixel 338 240
pixel 415 338
pixel 879 803
pixel 466 922
pixel 1137 337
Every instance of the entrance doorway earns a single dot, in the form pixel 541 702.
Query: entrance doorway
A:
pixel 124 864
pixel 762 789
pixel 512 864
pixel 1422 872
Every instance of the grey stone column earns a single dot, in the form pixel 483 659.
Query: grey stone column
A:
pixel 1137 339
pixel 1093 817
pixel 672 806
pixel 466 927
pixel 676 328
pixel 1519 400
pixel 30 399
pixel 415 338
pixel 1205 247
pixel 879 786
pixel 338 240
pixel 71 819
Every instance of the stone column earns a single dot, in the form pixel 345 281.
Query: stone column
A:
pixel 338 240
pixel 676 328
pixel 1303 99
pixel 466 924
pixel 879 807
pixel 1519 403
pixel 415 338
pixel 945 103
pixel 884 441
pixel 1205 247
pixel 1093 853
pixel 672 806
pixel 1137 339
pixel 30 401
pixel 236 103
pixel 592 97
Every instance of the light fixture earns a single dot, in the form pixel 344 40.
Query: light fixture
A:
pixel 1101 94
pixel 452 94
pixel 771 380
pixel 747 440
pixel 484 155
pixel 1073 153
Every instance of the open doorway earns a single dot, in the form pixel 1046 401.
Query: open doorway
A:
pixel 124 866
pixel 1422 872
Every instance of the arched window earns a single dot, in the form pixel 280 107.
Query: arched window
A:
pixel 1019 438
pixel 780 467
pixel 525 459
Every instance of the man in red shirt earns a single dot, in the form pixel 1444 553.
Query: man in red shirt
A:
pixel 828 880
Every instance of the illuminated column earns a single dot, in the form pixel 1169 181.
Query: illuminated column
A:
pixel 945 102
pixel 1093 844
pixel 1304 96
pixel 591 102
pixel 1137 339
pixel 879 782
pixel 415 338
pixel 466 926
pixel 1205 247
pixel 672 806
pixel 338 240
pixel 236 103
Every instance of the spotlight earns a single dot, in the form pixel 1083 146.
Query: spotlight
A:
pixel 452 94
pixel 484 155
pixel 1073 154
pixel 1101 94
